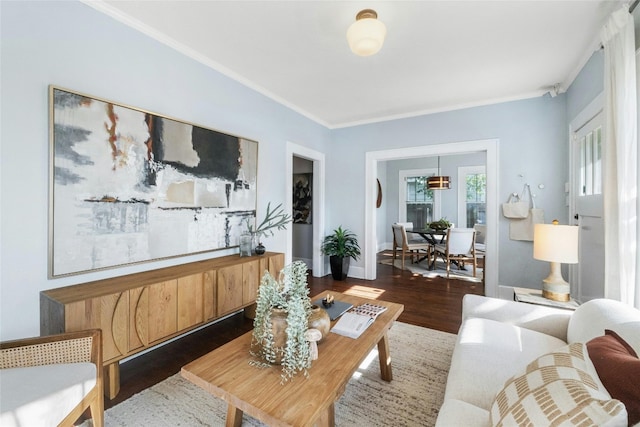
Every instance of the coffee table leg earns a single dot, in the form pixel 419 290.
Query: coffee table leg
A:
pixel 385 358
pixel 328 419
pixel 234 416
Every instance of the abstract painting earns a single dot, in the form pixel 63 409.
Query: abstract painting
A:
pixel 130 186
pixel 302 198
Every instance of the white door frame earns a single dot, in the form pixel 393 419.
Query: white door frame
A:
pixel 317 204
pixel 490 146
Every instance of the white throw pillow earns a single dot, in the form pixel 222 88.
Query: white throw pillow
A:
pixel 561 388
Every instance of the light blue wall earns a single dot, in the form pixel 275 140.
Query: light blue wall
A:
pixel 533 143
pixel 586 86
pixel 72 45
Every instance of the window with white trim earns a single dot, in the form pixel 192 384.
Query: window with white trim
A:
pixel 417 204
pixel 472 195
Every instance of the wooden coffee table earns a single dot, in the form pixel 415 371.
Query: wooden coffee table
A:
pixel 226 373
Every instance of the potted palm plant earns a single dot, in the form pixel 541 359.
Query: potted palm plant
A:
pixel 341 246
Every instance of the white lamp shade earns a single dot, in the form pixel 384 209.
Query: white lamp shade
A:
pixel 555 243
pixel 365 36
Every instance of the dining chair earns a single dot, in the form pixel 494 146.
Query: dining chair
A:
pixel 481 232
pixel 413 248
pixel 412 237
pixel 458 248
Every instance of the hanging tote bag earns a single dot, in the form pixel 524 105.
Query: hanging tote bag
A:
pixel 517 207
pixel 522 229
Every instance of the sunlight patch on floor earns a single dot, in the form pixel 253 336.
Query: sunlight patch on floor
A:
pixel 373 354
pixel 364 292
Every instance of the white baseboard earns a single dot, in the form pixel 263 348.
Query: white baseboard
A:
pixel 385 246
pixel 505 292
pixel 357 272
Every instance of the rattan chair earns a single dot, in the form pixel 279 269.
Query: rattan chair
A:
pixel 52 380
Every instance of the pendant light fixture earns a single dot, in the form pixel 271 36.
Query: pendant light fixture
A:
pixel 439 182
pixel 366 35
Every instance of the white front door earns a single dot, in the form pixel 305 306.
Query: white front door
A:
pixel 588 205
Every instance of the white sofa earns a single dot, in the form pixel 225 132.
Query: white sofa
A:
pixel 499 338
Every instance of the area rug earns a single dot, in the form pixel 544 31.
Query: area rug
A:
pixel 440 270
pixel 420 361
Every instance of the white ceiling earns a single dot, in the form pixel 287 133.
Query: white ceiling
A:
pixel 438 55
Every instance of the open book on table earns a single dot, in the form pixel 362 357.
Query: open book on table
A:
pixel 353 323
pixel 370 310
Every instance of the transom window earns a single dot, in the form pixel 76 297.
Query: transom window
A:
pixel 590 146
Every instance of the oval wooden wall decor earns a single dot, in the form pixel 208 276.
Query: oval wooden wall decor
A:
pixel 379 201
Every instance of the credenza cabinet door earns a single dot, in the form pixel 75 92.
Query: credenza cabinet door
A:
pixel 138 319
pixel 109 313
pixel 209 295
pixel 250 281
pixel 275 265
pixel 190 301
pixel 163 313
pixel 229 293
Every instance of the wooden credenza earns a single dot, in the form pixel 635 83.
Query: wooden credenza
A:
pixel 140 310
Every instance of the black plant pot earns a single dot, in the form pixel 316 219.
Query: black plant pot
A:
pixel 339 267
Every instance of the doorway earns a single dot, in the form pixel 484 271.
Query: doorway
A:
pixel 374 157
pixel 302 214
pixel 317 162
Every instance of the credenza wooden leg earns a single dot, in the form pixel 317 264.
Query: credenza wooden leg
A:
pixel 385 358
pixel 234 417
pixel 112 380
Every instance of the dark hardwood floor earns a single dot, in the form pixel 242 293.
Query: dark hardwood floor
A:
pixel 431 303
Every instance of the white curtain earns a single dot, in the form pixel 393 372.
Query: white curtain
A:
pixel 620 160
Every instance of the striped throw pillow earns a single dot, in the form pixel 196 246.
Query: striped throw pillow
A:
pixel 561 389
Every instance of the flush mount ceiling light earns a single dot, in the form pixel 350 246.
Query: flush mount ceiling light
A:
pixel 367 34
pixel 438 182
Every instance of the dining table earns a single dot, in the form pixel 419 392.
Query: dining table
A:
pixel 433 236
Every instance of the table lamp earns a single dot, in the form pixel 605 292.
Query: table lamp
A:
pixel 556 244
